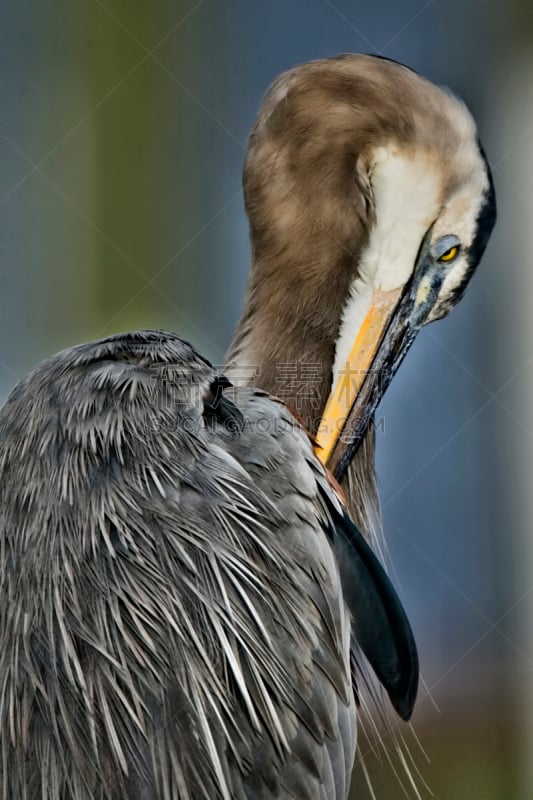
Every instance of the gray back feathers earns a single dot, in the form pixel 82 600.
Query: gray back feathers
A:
pixel 172 624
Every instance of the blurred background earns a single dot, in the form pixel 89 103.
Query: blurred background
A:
pixel 123 128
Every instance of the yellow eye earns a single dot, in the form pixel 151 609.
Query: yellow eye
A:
pixel 450 254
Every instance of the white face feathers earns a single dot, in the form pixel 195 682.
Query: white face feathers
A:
pixel 415 191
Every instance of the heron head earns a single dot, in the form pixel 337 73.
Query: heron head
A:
pixel 370 202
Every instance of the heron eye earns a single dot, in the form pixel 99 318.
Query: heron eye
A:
pixel 449 255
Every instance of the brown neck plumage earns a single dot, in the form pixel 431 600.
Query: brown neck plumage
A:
pixel 307 183
pixel 285 355
pixel 310 208
pixel 307 199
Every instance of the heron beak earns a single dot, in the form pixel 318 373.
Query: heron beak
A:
pixel 388 330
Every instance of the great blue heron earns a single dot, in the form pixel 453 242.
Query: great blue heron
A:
pixel 182 589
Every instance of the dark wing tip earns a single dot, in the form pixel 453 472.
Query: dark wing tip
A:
pixel 379 622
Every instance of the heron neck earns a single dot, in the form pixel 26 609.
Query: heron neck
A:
pixel 285 350
pixel 285 345
pixel 277 350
